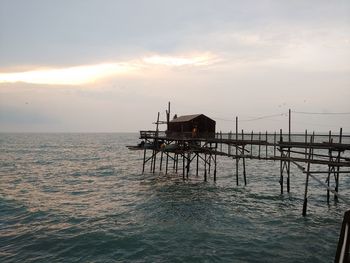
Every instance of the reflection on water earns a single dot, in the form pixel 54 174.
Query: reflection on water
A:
pixel 81 197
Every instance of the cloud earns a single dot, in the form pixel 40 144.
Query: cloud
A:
pixel 67 76
pixel 111 66
pixel 91 73
pixel 199 60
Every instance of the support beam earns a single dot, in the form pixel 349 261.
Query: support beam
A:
pixel 197 163
pixel 167 163
pixel 281 164
pixel 215 163
pixel 205 167
pixel 144 159
pixel 307 178
pixel 237 151
pixel 329 167
pixel 161 160
pixel 188 164
pixel 337 171
pixel 183 166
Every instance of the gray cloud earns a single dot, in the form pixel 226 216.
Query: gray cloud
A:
pixel 73 32
pixel 272 55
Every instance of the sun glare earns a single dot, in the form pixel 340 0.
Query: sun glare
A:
pixel 91 73
pixel 67 76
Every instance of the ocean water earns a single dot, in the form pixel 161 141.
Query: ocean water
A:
pixel 82 198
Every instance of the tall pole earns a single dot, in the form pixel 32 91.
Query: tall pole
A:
pixel 183 165
pixel 338 160
pixel 205 166
pixel 289 138
pixel 329 167
pixel 155 144
pixel 243 158
pixel 144 158
pixel 216 146
pixel 168 116
pixel 281 162
pixel 289 124
pixel 197 162
pixel 307 175
pixel 166 165
pixel 236 150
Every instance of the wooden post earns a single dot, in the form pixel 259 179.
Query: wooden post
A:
pixel 288 172
pixel 197 162
pixel 155 144
pixel 329 167
pixel 168 116
pixel 220 145
pixel 166 165
pixel 205 167
pixel 188 164
pixel 338 160
pixel 289 125
pixel 237 150
pixel 161 160
pixel 274 144
pixel 209 163
pixel 342 254
pixel 243 159
pixel 289 138
pixel 216 145
pixel 155 159
pixel 307 177
pixel 177 162
pixel 266 144
pixel 244 172
pixel 152 156
pixel 281 163
pixel 229 145
pixel 251 143
pixel 259 144
pixel 144 158
pixel 305 144
pixel 183 165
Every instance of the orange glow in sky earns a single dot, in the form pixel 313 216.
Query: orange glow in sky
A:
pixel 91 73
pixel 67 76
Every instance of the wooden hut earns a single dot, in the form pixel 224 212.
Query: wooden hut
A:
pixel 191 126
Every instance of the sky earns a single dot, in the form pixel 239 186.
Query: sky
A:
pixel 110 66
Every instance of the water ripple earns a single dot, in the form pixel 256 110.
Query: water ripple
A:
pixel 81 197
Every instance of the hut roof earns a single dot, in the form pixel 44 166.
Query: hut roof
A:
pixel 185 118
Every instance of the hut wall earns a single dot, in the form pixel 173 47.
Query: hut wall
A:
pixel 205 128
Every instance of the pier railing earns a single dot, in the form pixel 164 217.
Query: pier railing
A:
pixel 152 134
pixel 175 135
pixel 284 140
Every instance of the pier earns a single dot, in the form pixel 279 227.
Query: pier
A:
pixel 191 144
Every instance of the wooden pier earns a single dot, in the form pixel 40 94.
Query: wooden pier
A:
pixel 312 154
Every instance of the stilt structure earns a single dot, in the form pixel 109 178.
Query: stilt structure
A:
pixel 301 150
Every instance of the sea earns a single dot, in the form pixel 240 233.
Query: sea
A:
pixel 82 197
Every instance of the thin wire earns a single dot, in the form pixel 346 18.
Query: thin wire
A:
pixel 221 119
pixel 285 114
pixel 265 117
pixel 253 119
pixel 321 113
pixel 321 125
